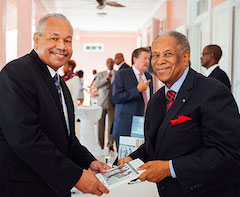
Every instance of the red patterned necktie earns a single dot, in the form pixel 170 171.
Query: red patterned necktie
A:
pixel 144 94
pixel 170 98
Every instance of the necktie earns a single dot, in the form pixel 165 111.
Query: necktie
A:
pixel 58 86
pixel 144 94
pixel 170 98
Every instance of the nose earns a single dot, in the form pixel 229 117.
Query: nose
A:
pixel 61 44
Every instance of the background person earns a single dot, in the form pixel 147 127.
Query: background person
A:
pixel 128 93
pixel 210 57
pixel 103 83
pixel 68 70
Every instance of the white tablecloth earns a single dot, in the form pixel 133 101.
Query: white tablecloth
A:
pixel 143 189
pixel 89 116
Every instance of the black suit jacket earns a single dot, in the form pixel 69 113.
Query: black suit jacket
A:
pixel 37 156
pixel 124 66
pixel 204 150
pixel 220 75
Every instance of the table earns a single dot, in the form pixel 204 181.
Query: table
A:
pixel 89 116
pixel 142 189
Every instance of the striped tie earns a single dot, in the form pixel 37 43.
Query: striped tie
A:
pixel 58 86
pixel 170 98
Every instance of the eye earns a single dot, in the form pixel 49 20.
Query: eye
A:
pixel 155 55
pixel 55 39
pixel 68 41
pixel 168 54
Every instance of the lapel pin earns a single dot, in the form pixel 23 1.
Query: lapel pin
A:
pixel 183 100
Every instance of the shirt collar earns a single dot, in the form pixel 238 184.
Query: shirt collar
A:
pixel 210 69
pixel 136 72
pixel 52 71
pixel 177 85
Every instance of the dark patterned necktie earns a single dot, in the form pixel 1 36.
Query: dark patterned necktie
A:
pixel 58 86
pixel 170 98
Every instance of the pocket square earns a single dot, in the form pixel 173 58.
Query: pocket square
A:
pixel 180 120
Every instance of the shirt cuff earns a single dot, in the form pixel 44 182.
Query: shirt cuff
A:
pixel 173 174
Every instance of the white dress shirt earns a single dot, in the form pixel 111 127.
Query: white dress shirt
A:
pixel 53 72
pixel 136 72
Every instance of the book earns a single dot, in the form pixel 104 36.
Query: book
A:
pixel 127 145
pixel 116 176
pixel 137 129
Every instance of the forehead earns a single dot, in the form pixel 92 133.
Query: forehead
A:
pixel 144 53
pixel 164 43
pixel 58 26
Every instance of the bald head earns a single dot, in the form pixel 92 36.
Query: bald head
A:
pixel 119 58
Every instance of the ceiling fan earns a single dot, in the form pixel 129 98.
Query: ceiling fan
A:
pixel 103 3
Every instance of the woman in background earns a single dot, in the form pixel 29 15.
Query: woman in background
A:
pixel 68 70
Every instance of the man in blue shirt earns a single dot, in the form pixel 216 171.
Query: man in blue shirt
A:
pixel 191 128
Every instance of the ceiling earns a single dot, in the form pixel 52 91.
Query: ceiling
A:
pixel 83 14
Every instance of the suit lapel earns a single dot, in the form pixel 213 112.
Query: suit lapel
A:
pixel 50 84
pixel 181 99
pixel 133 76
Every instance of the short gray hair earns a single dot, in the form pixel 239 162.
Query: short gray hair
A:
pixel 182 41
pixel 54 15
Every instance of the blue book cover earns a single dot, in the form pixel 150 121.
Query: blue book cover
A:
pixel 137 129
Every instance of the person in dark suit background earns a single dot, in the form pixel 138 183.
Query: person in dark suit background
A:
pixel 191 128
pixel 210 57
pixel 127 93
pixel 120 62
pixel 39 152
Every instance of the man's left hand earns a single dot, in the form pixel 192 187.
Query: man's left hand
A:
pixel 155 171
pixel 97 166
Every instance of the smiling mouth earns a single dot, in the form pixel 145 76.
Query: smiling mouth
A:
pixel 61 54
pixel 162 70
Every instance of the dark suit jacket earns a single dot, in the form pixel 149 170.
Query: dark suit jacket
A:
pixel 37 156
pixel 205 150
pixel 124 66
pixel 128 101
pixel 220 75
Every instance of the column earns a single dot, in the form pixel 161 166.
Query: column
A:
pixel 2 33
pixel 24 27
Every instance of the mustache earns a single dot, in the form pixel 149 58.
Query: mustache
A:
pixel 59 52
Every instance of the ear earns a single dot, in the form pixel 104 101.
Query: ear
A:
pixel 186 58
pixel 36 40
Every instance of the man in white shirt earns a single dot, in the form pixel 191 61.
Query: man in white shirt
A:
pixel 210 57
pixel 132 88
pixel 120 62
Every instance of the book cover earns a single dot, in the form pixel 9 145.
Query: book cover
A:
pixel 127 145
pixel 137 129
pixel 116 176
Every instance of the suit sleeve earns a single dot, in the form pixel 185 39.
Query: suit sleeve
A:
pixel 220 127
pixel 100 81
pixel 121 94
pixel 22 130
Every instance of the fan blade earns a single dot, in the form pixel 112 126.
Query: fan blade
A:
pixel 114 4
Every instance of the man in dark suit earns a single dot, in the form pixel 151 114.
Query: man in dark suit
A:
pixel 132 88
pixel 120 62
pixel 210 57
pixel 40 155
pixel 191 129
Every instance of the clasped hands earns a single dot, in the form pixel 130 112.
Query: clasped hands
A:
pixel 89 183
pixel 155 170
